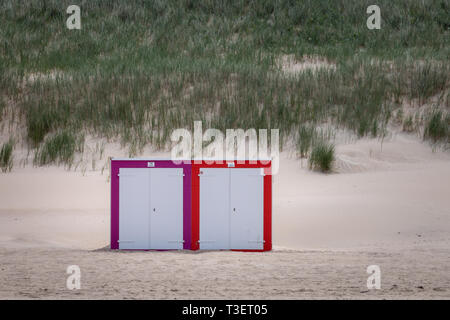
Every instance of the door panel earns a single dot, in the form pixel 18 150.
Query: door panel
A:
pixel 134 208
pixel 166 208
pixel 247 192
pixel 214 208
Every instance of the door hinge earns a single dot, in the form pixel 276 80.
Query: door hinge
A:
pixel 125 241
pixel 175 241
pixel 205 241
pixel 257 241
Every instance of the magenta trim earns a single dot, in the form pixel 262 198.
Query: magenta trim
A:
pixel 117 164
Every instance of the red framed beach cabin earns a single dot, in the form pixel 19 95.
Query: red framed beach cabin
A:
pixel 231 205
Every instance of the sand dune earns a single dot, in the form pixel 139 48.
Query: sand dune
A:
pixel 388 206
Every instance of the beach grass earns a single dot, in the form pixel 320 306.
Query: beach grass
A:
pixel 437 128
pixel 59 148
pixel 6 156
pixel 322 156
pixel 137 70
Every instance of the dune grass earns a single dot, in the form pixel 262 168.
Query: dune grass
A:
pixel 322 156
pixel 2 107
pixel 59 148
pixel 137 70
pixel 305 138
pixel 408 124
pixel 6 156
pixel 437 128
pixel 428 80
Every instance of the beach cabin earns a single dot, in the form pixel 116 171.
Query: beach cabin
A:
pixel 150 204
pixel 232 205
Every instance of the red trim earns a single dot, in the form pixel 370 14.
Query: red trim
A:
pixel 267 198
pixel 267 209
pixel 195 220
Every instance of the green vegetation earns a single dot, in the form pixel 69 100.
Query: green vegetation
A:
pixel 322 156
pixel 438 127
pixel 408 124
pixel 2 106
pixel 6 157
pixel 139 69
pixel 428 80
pixel 306 135
pixel 59 148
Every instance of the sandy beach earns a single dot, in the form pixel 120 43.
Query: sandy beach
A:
pixel 385 204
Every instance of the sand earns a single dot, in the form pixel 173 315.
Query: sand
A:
pixel 387 206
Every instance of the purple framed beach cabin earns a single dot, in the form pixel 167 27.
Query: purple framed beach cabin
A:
pixel 150 204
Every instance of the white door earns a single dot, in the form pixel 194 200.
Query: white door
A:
pixel 151 208
pixel 247 195
pixel 166 200
pixel 134 203
pixel 214 208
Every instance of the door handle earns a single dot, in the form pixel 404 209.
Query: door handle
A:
pixel 154 210
pixel 234 210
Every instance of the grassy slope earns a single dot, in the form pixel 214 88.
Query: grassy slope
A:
pixel 139 69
